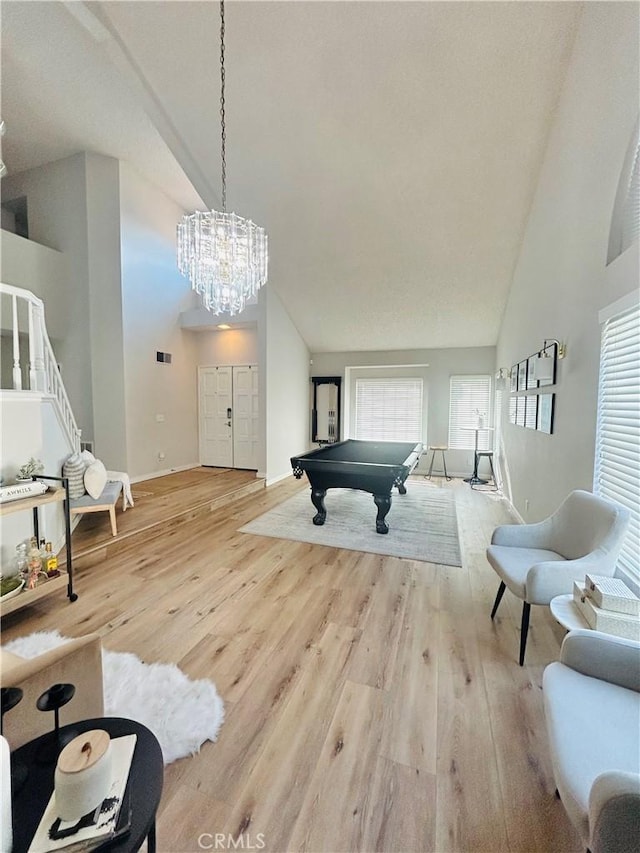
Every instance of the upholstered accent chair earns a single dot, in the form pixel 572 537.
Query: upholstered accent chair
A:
pixel 539 561
pixel 592 711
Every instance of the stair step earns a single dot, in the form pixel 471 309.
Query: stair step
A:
pixel 106 549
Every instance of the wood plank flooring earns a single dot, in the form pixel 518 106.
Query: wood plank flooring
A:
pixel 371 704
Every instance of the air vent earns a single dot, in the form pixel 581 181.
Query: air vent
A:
pixel 163 357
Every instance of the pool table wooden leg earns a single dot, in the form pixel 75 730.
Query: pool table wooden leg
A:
pixel 317 499
pixel 383 502
pixel 402 489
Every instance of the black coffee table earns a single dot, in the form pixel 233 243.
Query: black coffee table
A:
pixel 144 785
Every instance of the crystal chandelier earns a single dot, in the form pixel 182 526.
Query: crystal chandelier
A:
pixel 224 255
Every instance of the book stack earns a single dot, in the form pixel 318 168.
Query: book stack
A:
pixel 609 605
pixel 110 820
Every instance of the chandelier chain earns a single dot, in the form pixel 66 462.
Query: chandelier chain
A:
pixel 222 111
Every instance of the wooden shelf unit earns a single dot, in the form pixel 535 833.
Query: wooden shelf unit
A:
pixel 45 587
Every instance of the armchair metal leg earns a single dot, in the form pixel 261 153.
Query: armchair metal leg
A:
pixel 524 629
pixel 501 590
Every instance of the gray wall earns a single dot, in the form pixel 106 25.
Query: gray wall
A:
pixel 561 280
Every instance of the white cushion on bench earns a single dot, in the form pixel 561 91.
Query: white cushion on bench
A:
pixel 109 495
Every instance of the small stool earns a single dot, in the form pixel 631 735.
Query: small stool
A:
pixel 489 456
pixel 438 448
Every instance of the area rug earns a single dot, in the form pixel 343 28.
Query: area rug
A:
pixel 422 524
pixel 181 713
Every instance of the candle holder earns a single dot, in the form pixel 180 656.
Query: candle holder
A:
pixel 53 699
pixel 11 696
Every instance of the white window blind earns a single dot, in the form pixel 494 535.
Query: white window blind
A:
pixel 617 466
pixel 469 400
pixel 389 409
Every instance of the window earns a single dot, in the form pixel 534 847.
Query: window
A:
pixel 617 465
pixel 469 405
pixel 625 220
pixel 389 409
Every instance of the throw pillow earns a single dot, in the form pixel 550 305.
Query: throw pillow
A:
pixel 87 458
pixel 95 478
pixel 73 468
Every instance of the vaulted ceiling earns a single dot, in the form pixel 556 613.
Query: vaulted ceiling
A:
pixel 390 149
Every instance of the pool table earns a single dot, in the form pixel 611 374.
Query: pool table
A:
pixel 371 466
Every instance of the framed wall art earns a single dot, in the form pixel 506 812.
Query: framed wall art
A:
pixel 531 411
pixel 512 409
pixel 532 382
pixel 514 378
pixel 521 403
pixel 550 352
pixel 522 376
pixel 546 405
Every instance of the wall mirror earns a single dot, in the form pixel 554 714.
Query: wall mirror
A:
pixel 325 416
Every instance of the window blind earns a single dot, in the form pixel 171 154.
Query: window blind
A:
pixel 469 399
pixel 617 464
pixel 389 409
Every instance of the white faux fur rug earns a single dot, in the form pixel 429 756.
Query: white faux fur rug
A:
pixel 180 712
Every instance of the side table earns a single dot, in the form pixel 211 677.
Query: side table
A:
pixel 144 785
pixel 565 612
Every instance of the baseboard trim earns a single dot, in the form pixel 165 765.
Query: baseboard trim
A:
pixel 273 480
pixel 142 477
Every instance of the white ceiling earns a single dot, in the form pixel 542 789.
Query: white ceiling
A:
pixel 390 149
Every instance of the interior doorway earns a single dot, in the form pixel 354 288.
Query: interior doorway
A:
pixel 228 416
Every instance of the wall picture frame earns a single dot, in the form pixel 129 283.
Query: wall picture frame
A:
pixel 531 411
pixel 532 382
pixel 521 403
pixel 522 376
pixel 546 406
pixel 514 378
pixel 552 351
pixel 512 409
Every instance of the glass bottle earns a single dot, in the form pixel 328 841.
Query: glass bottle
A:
pixel 51 564
pixel 22 561
pixel 34 563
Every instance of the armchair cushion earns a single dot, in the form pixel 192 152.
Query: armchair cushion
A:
pixel 78 662
pixel 594 736
pixel 513 564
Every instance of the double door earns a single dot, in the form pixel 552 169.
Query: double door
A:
pixel 228 416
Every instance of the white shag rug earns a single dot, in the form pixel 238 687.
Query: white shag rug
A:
pixel 181 713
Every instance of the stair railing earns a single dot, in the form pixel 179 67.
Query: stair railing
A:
pixel 44 373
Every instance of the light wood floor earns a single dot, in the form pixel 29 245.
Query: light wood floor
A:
pixel 371 704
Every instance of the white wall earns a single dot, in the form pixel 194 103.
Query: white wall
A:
pixel 30 427
pixel 560 281
pixel 231 346
pixel 443 363
pixel 284 391
pixel 105 310
pixel 57 215
pixel 39 269
pixel 153 295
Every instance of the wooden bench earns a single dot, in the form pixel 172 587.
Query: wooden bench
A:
pixel 106 502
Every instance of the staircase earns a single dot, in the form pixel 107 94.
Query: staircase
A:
pixel 41 373
pixel 37 419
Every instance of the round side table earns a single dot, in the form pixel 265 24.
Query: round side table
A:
pixel 144 785
pixel 565 612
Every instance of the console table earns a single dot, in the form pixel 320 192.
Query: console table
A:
pixel 45 587
pixel 144 785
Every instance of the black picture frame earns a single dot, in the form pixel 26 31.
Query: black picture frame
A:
pixel 544 419
pixel 331 418
pixel 552 350
pixel 512 409
pixel 521 403
pixel 522 376
pixel 532 382
pixel 531 412
pixel 514 379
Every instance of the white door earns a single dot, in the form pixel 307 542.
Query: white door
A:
pixel 216 407
pixel 245 417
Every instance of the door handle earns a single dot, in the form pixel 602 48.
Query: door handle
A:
pixel 229 413
pixel 228 423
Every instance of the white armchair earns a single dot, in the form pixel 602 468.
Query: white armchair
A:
pixel 539 561
pixel 592 711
